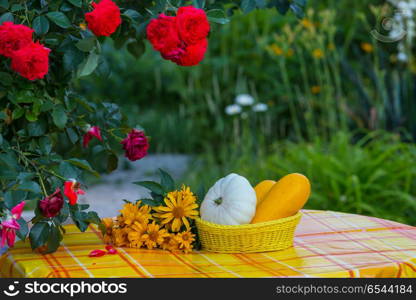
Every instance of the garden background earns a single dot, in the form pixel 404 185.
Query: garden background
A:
pixel 339 105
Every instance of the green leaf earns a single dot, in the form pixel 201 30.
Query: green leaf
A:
pixel 198 3
pixel 64 213
pixel 89 65
pixel 166 181
pixel 92 217
pixel 29 186
pixel 59 116
pixel 45 145
pixel 6 17
pixel 77 3
pixel 149 202
pixel 31 116
pixel 152 186
pixel 59 19
pixel 4 4
pixel 6 79
pixel 37 128
pixel 136 48
pixel 133 15
pixel 87 44
pixel 41 25
pixel 112 162
pixel 217 16
pixel 248 5
pixel 68 171
pixel 18 113
pixel 73 57
pixel 54 239
pixel 83 164
pixel 39 234
pixel 24 229
pixel 12 198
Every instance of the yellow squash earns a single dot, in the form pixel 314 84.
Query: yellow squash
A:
pixel 262 188
pixel 284 199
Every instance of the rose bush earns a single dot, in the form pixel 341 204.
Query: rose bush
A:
pixel 47 131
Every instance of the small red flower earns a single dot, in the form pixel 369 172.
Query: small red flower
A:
pixel 13 37
pixel 72 190
pixel 110 249
pixel 193 55
pixel 193 25
pixel 9 226
pixel 162 33
pixel 104 19
pixel 135 145
pixel 31 61
pixel 97 253
pixel 91 133
pixel 52 205
pixel 181 39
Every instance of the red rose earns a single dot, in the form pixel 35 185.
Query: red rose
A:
pixel 193 24
pixel 162 33
pixel 104 19
pixel 14 37
pixel 52 205
pixel 91 133
pixel 135 145
pixel 32 61
pixel 193 55
pixel 72 189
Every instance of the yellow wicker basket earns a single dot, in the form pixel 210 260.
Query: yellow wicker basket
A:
pixel 259 237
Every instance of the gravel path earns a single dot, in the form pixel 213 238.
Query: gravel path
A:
pixel 106 198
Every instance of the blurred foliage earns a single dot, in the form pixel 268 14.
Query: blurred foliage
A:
pixel 327 83
pixel 315 76
pixel 371 176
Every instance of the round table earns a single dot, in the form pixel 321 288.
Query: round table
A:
pixel 327 244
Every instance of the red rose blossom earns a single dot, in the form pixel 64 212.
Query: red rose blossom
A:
pixel 72 190
pixel 91 133
pixel 52 205
pixel 162 33
pixel 193 54
pixel 13 37
pixel 135 145
pixel 104 19
pixel 32 61
pixel 193 24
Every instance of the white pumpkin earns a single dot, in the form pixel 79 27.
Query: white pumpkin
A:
pixel 230 201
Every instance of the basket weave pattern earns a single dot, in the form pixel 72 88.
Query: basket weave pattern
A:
pixel 259 237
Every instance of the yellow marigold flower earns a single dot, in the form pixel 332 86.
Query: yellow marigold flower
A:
pixel 119 237
pixel 318 53
pixel 83 26
pixel 367 47
pixel 276 49
pixel 170 243
pixel 307 23
pixel 185 240
pixel 316 89
pixel 134 212
pixel 180 205
pixel 153 236
pixel 135 239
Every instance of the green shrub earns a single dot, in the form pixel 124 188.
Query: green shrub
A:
pixel 374 175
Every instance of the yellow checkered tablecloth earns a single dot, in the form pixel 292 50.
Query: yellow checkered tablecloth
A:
pixel 327 244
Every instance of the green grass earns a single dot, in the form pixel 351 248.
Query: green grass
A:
pixel 374 175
